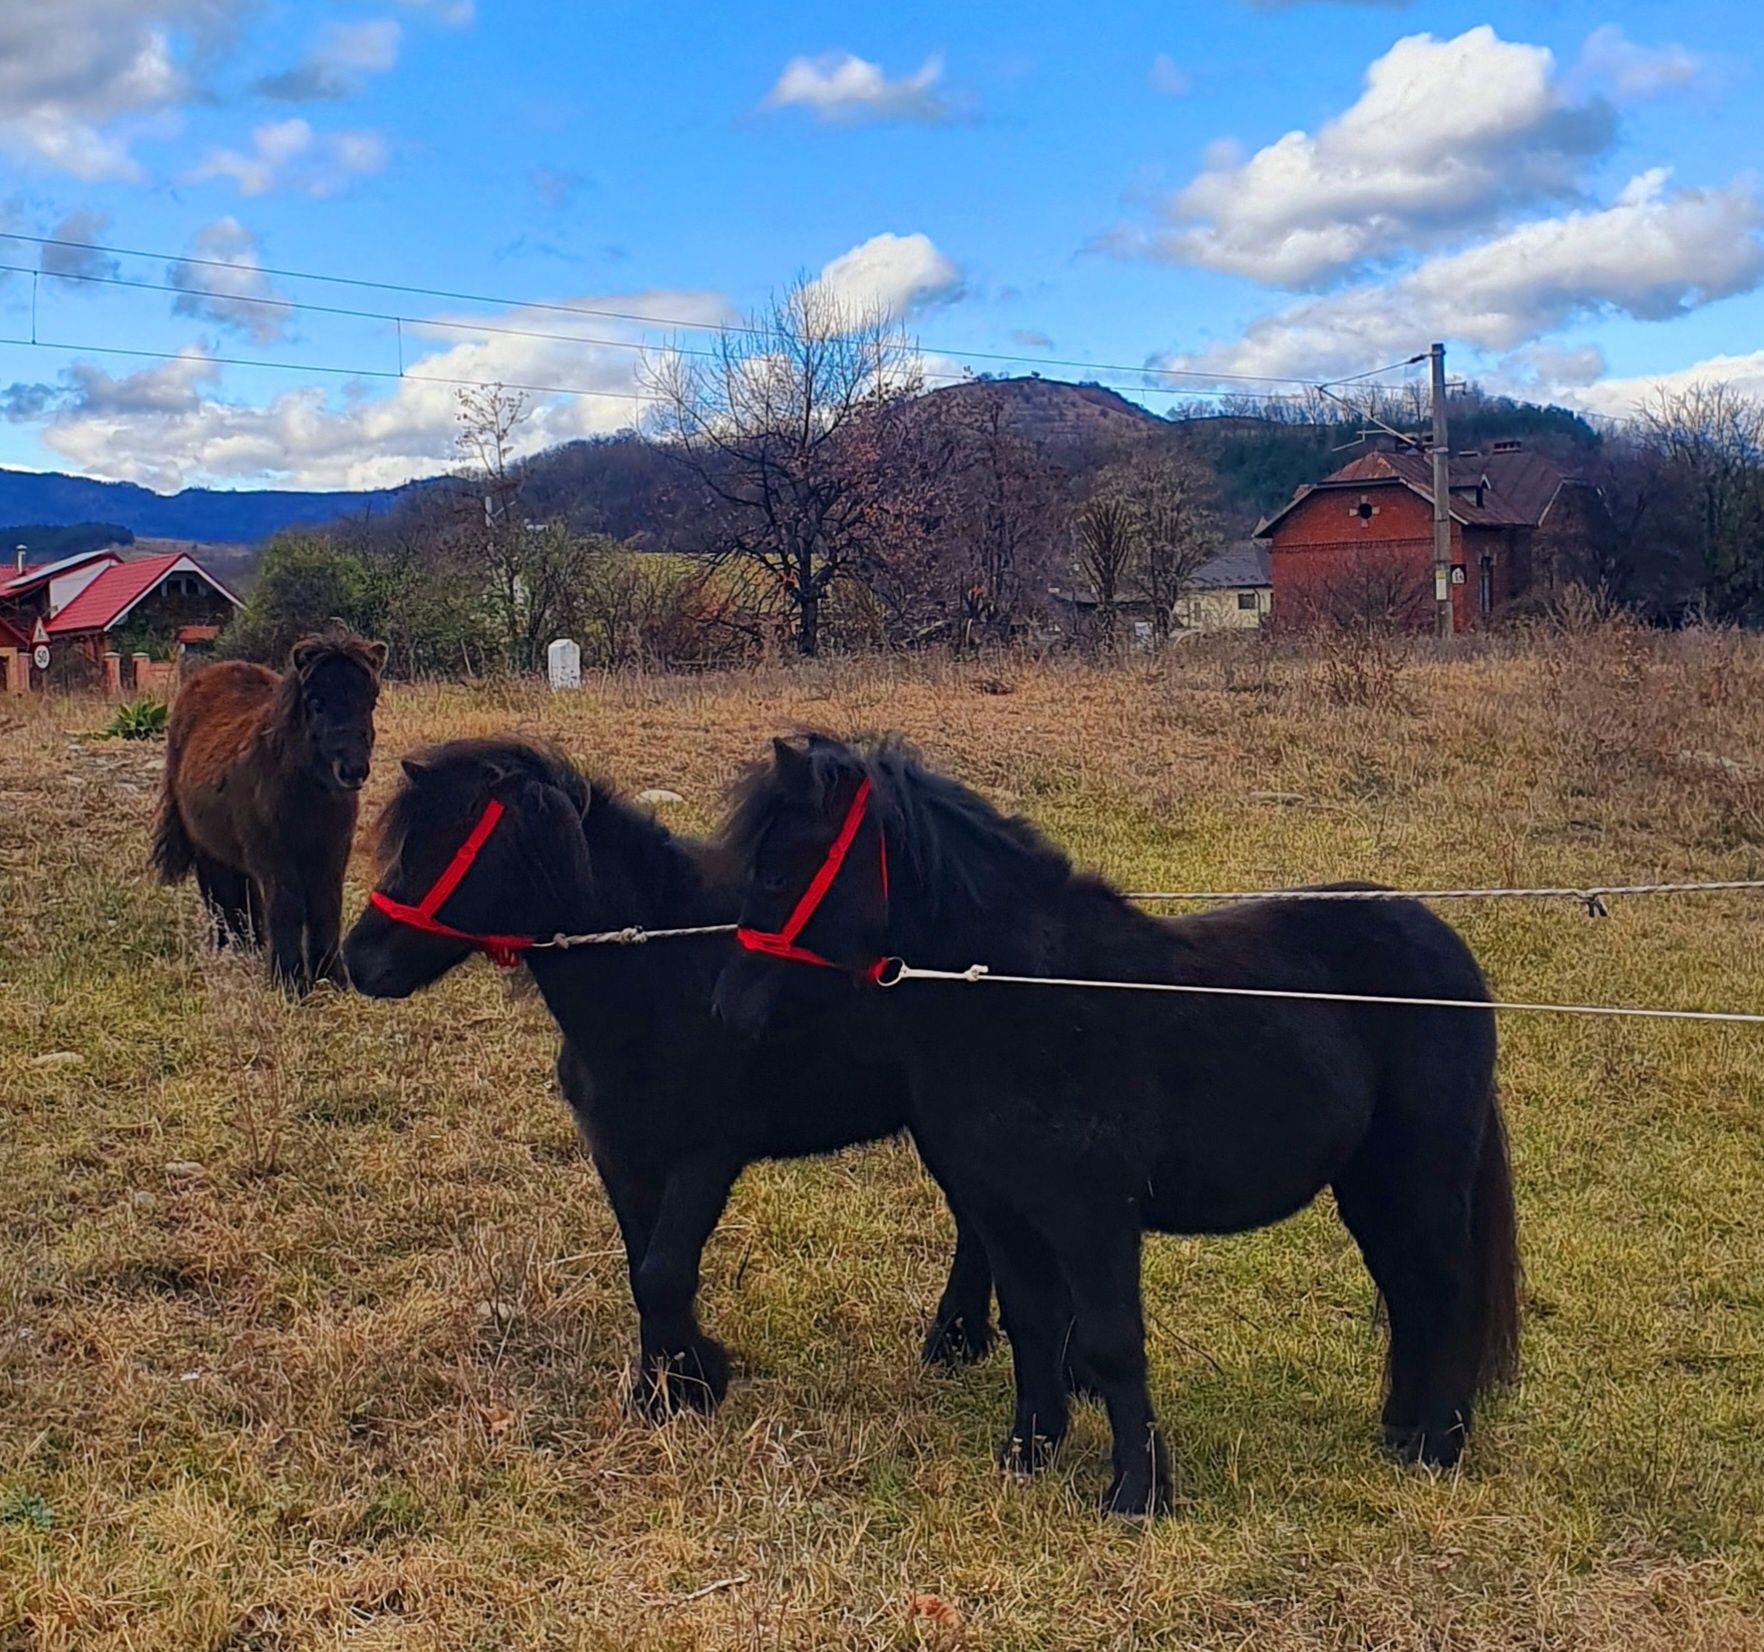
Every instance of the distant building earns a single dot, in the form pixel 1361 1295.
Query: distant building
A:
pixel 1233 592
pixel 1362 538
pixel 76 611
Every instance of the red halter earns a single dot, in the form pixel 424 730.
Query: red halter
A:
pixel 781 943
pixel 502 950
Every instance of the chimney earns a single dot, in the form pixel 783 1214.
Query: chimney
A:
pixel 21 554
pixel 1505 447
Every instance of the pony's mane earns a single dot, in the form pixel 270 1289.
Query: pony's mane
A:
pixel 958 845
pixel 663 861
pixel 336 642
pixel 475 762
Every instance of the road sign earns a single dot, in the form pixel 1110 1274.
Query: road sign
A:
pixel 40 656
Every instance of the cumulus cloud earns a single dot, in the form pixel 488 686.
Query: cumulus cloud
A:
pixel 1165 77
pixel 1653 254
pixel 169 425
pixel 894 274
pixel 336 63
pixel 1633 71
pixel 220 281
pixel 289 154
pixel 1445 135
pixel 72 76
pixel 1617 397
pixel 87 225
pixel 842 88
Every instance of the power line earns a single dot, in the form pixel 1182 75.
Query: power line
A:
pixel 625 315
pixel 319 367
pixel 476 328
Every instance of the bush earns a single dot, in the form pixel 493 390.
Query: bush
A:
pixel 143 718
pixel 305 581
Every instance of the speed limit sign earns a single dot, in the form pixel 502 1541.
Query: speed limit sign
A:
pixel 40 656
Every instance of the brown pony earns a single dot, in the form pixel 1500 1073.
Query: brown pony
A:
pixel 262 776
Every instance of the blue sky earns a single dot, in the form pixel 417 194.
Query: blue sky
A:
pixel 1568 193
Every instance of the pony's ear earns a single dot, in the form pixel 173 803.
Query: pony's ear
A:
pixel 376 653
pixel 791 762
pixel 416 771
pixel 306 654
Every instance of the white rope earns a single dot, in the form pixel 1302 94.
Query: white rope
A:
pixel 981 974
pixel 633 935
pixel 1592 898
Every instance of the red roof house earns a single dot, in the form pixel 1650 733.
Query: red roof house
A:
pixel 1361 540
pixel 95 601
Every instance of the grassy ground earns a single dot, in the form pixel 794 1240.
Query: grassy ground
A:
pixel 313 1323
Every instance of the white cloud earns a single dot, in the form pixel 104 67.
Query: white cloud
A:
pixel 1633 71
pixel 1651 255
pixel 840 87
pixel 336 63
pixel 73 76
pixel 83 225
pixel 895 274
pixel 221 277
pixel 1615 398
pixel 167 426
pixel 289 154
pixel 1443 137
pixel 1165 77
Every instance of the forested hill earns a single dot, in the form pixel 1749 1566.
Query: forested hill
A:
pixel 627 487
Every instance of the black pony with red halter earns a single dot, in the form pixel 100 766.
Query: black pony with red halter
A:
pixel 504 951
pixel 783 942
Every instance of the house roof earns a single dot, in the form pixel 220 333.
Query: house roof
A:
pixel 1241 564
pixel 1516 486
pixel 20 584
pixel 109 598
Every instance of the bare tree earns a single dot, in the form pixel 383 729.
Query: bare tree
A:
pixel 535 572
pixel 783 424
pixel 1709 443
pixel 1104 533
pixel 1175 527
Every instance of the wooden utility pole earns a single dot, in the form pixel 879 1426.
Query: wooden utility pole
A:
pixel 1442 494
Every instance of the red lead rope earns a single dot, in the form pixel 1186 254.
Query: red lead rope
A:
pixel 781 943
pixel 502 950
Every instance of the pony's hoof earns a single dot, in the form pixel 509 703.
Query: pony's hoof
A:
pixel 1430 1447
pixel 1026 1455
pixel 694 1379
pixel 1142 1496
pixel 962 1339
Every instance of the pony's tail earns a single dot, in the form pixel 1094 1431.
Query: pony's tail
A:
pixel 173 855
pixel 1494 1260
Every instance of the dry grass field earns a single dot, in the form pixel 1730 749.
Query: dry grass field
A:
pixel 313 1323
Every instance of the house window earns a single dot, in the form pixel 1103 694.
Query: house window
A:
pixel 1248 600
pixel 1487 592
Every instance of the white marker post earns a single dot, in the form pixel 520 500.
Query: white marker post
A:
pixel 563 660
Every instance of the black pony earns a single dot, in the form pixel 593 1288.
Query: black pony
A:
pixel 1065 1121
pixel 671 1105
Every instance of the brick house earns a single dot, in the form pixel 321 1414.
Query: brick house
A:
pixel 98 603
pixel 1360 542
